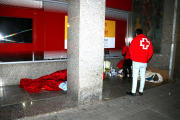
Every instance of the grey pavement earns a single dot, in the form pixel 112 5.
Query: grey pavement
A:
pixel 158 103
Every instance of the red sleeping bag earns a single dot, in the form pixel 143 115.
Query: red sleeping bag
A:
pixel 48 82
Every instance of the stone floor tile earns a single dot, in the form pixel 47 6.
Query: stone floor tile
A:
pixel 143 115
pixel 49 104
pixel 162 117
pixel 49 117
pixel 39 96
pixel 33 108
pixel 11 112
pixel 172 113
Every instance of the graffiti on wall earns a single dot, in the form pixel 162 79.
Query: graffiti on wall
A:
pixel 147 15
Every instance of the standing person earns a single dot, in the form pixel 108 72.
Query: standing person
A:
pixel 127 62
pixel 140 50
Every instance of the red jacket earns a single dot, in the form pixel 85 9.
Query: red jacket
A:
pixel 125 51
pixel 141 49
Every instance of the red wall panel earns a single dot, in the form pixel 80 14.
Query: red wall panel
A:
pixel 48 28
pixel 120 4
pixel 38 29
pixel 120 34
pixel 54 30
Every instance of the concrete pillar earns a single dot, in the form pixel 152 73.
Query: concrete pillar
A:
pixel 176 56
pixel 85 50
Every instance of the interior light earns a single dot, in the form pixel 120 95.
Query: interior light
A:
pixel 1 83
pixel 130 39
pixel 1 92
pixel 24 105
pixel 1 37
pixel 68 25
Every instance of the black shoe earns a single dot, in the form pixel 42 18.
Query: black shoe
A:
pixel 125 76
pixel 140 93
pixel 130 76
pixel 130 93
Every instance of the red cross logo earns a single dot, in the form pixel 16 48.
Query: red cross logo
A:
pixel 144 43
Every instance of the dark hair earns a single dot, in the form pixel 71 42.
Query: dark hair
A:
pixel 139 31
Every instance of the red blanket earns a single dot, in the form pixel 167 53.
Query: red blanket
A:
pixel 48 82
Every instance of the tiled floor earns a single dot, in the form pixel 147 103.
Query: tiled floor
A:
pixel 16 103
pixel 158 103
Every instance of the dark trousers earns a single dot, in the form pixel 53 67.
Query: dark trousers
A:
pixel 127 65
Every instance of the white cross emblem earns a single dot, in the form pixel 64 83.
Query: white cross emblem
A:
pixel 144 43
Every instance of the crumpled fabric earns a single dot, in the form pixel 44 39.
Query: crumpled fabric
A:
pixel 48 82
pixel 63 86
pixel 120 64
pixel 152 77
